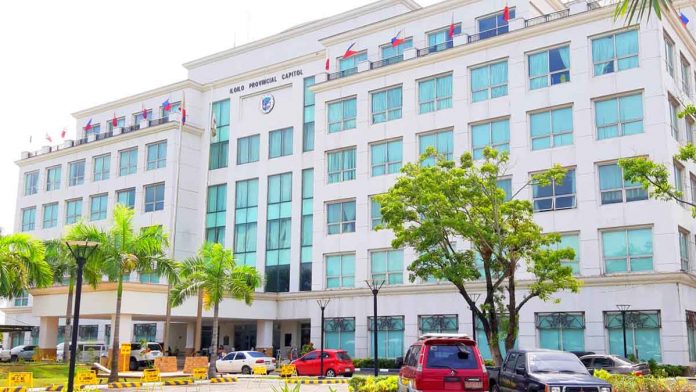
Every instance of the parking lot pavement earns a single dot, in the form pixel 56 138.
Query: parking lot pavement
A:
pixel 249 384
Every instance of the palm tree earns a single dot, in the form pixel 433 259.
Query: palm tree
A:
pixel 22 264
pixel 214 273
pixel 121 251
pixel 63 265
pixel 635 10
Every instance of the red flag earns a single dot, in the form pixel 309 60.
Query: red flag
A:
pixel 396 41
pixel 48 137
pixel 326 66
pixel 144 113
pixel 114 121
pixel 506 14
pixel 182 109
pixel 88 126
pixel 350 52
pixel 450 33
pixel 63 132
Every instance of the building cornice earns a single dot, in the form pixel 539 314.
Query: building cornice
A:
pixel 479 286
pixel 300 30
pixel 17 310
pixel 137 98
pixel 618 280
pixel 104 142
pixel 127 287
pixel 457 51
pixel 284 65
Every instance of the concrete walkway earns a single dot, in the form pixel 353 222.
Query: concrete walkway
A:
pixel 248 384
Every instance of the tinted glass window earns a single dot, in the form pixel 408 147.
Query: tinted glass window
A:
pixel 510 363
pixel 412 356
pixel 312 355
pixel 521 362
pixel 135 346
pixel 586 361
pixel 451 357
pixel 342 355
pixel 154 347
pixel 603 362
pixel 255 354
pixel 229 357
pixel 554 362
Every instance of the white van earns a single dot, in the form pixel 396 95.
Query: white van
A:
pixel 86 352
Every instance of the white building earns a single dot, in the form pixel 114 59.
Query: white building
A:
pixel 287 178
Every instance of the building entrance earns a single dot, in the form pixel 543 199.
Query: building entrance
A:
pixel 244 337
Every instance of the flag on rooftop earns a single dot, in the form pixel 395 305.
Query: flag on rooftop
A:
pixel 397 40
pixel 88 126
pixel 683 19
pixel 350 52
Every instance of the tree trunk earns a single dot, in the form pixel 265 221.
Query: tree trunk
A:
pixel 491 327
pixel 512 312
pixel 116 347
pixel 212 371
pixel 199 324
pixel 167 321
pixel 67 333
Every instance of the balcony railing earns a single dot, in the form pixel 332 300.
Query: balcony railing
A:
pixel 546 18
pixel 472 38
pixel 97 137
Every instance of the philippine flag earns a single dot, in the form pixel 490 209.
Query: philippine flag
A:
pixel 396 40
pixel 63 133
pixel 349 52
pixel 683 19
pixel 88 126
pixel 166 105
pixel 114 121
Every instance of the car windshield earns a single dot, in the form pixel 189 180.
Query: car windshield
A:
pixel 342 355
pixel 154 347
pixel 555 363
pixel 458 356
pixel 255 354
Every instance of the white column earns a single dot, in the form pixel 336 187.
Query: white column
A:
pixel 48 337
pixel 125 334
pixel 264 333
pixel 190 329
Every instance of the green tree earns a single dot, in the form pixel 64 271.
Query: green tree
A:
pixel 432 207
pixel 22 264
pixel 655 177
pixel 123 250
pixel 214 273
pixel 635 10
pixel 64 266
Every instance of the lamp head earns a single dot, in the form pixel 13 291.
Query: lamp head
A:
pixel 81 250
pixel 374 285
pixel 323 302
pixel 623 308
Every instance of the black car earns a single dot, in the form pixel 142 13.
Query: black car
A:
pixel 544 371
pixel 614 364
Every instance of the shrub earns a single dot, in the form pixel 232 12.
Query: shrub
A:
pixel 384 363
pixel 372 384
pixel 489 362
pixel 628 383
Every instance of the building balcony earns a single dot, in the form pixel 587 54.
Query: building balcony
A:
pixel 465 39
pixel 91 138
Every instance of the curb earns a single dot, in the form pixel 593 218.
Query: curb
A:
pixel 380 370
pixel 120 385
pixel 316 382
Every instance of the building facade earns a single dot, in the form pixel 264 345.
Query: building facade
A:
pixel 286 139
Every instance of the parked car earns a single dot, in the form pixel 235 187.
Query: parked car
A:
pixel 244 362
pixel 22 352
pixel 86 352
pixel 143 356
pixel 5 355
pixel 614 364
pixel 336 362
pixel 544 370
pixel 438 362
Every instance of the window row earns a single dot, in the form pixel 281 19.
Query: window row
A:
pixel 556 331
pixel 101 168
pixel 98 206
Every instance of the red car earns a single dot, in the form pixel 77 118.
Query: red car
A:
pixel 438 362
pixel 336 362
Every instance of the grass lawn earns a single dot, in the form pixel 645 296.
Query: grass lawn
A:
pixel 44 373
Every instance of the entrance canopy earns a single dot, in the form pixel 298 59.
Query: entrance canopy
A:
pixel 15 328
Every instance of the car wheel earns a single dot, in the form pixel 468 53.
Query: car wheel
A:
pixel 133 364
pixel 330 373
pixel 246 370
pixel 14 358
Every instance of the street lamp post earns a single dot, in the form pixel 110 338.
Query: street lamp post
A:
pixel 322 304
pixel 474 297
pixel 623 309
pixel 81 250
pixel 375 286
